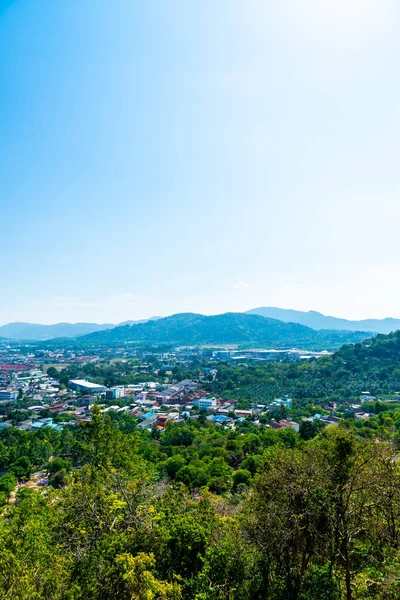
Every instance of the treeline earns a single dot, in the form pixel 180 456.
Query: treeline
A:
pixel 189 329
pixel 200 512
pixel 373 366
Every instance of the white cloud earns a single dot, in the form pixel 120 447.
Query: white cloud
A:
pixel 241 285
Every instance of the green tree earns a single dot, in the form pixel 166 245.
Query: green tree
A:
pixel 59 479
pixel 174 464
pixel 241 477
pixel 138 573
pixel 289 505
pixel 8 483
pixel 21 468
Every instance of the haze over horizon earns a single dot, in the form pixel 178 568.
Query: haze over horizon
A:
pixel 252 310
pixel 206 157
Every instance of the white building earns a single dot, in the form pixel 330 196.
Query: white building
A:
pixel 207 403
pixel 81 385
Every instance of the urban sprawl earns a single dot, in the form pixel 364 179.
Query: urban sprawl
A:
pixel 33 393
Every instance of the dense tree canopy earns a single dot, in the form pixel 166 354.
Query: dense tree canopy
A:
pixel 371 366
pixel 202 513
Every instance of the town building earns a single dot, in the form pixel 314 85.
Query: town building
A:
pixel 284 401
pixel 115 392
pixel 81 385
pixel 8 395
pixel 207 403
pixel 292 424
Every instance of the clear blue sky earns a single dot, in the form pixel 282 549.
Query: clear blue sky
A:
pixel 205 156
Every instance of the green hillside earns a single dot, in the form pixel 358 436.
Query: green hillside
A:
pixel 372 365
pixel 232 328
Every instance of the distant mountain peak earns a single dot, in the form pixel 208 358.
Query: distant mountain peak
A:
pixel 317 320
pixel 229 328
pixel 20 330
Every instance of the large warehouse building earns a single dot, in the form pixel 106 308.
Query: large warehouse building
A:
pixel 81 385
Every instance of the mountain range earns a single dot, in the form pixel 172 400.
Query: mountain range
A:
pixel 313 319
pixel 229 328
pixel 37 332
pixel 317 320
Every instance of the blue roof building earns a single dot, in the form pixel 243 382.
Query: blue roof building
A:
pixel 149 415
pixel 55 426
pixel 219 419
pixel 48 422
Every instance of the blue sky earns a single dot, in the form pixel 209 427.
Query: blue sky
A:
pixel 159 157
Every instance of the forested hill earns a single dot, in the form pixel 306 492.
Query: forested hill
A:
pixel 381 350
pixel 234 328
pixel 373 366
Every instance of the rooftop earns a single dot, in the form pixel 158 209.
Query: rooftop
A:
pixel 84 383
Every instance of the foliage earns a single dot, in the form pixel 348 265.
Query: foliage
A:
pixel 372 365
pixel 189 328
pixel 208 512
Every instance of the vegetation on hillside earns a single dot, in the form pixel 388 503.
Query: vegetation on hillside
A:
pixel 201 513
pixel 233 328
pixel 372 365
